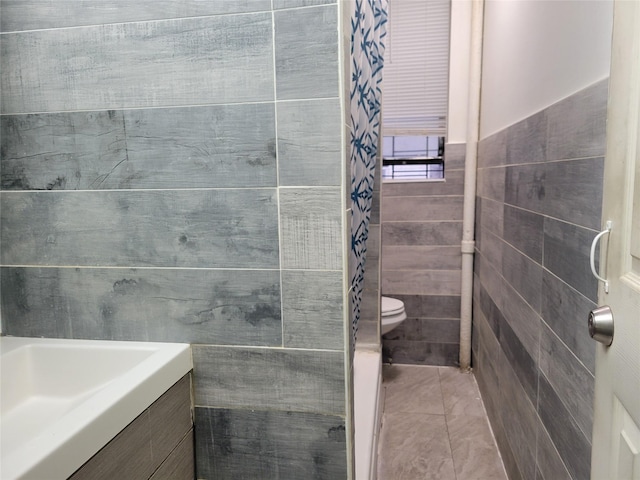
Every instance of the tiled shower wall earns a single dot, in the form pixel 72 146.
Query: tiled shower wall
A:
pixel 421 263
pixel 175 174
pixel 538 209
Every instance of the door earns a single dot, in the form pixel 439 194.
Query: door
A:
pixel 616 430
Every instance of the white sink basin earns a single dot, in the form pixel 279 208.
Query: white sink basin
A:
pixel 63 400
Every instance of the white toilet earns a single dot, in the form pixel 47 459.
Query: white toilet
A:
pixel 392 314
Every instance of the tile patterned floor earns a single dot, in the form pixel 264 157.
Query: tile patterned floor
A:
pixel 434 426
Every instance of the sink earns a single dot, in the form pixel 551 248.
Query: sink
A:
pixel 61 400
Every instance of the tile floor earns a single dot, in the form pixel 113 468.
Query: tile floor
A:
pixel 434 426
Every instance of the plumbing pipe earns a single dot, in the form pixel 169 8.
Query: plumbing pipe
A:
pixel 471 159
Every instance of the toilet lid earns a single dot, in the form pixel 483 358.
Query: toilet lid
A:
pixel 391 306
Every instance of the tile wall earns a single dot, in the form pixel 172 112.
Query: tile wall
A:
pixel 172 171
pixel 538 209
pixel 421 264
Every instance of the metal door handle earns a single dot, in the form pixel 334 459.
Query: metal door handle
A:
pixel 601 325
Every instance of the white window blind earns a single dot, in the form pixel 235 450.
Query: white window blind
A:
pixel 416 66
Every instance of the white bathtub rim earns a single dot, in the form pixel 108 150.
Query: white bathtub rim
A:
pixel 367 411
pixel 58 452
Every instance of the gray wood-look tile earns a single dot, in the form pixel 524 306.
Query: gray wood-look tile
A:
pixel 126 65
pixel 477 227
pixel 312 309
pixel 577 124
pixel 420 353
pixel 573 191
pixel 453 184
pixel 199 228
pixel 63 150
pixel 296 380
pixel 525 186
pixel 311 228
pixel 522 319
pixel 566 255
pixel 192 147
pixel 506 453
pixel 254 444
pixel 486 370
pixel 41 14
pixel 565 311
pixel 573 446
pixel 550 465
pixel 492 151
pixel 491 183
pixel 403 257
pixel 412 390
pixel 519 419
pixel 571 381
pixel 306 53
pixel 405 438
pixel 491 216
pixel 492 280
pixel 413 209
pixel 371 272
pixel 370 306
pixel 433 306
pixel 492 248
pixel 527 140
pixel 421 233
pixel 373 242
pixel 420 282
pixel 164 305
pixel 376 202
pixel 309 148
pixel 280 4
pixel 454 156
pixel 488 308
pixel 180 464
pixel 475 455
pixel 523 364
pixel 433 330
pixel 524 231
pixel 523 274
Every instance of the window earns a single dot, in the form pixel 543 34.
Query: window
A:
pixel 415 90
pixel 412 158
pixel 416 68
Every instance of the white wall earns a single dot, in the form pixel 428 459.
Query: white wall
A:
pixel 459 70
pixel 537 52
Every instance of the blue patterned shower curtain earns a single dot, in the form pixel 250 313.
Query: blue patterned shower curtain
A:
pixel 368 31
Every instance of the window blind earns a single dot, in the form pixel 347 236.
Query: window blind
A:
pixel 416 68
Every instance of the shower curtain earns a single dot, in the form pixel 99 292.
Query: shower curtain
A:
pixel 368 31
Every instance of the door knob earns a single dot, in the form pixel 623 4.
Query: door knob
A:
pixel 601 325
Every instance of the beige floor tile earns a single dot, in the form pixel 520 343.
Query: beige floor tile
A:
pixel 460 392
pixel 412 389
pixel 415 446
pixel 475 455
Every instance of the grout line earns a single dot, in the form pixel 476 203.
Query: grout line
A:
pixel 278 183
pixel 133 22
pixel 134 267
pixel 169 107
pixel 197 189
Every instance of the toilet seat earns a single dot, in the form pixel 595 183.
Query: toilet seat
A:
pixel 392 314
pixel 391 306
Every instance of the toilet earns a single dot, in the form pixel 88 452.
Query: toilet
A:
pixel 392 315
